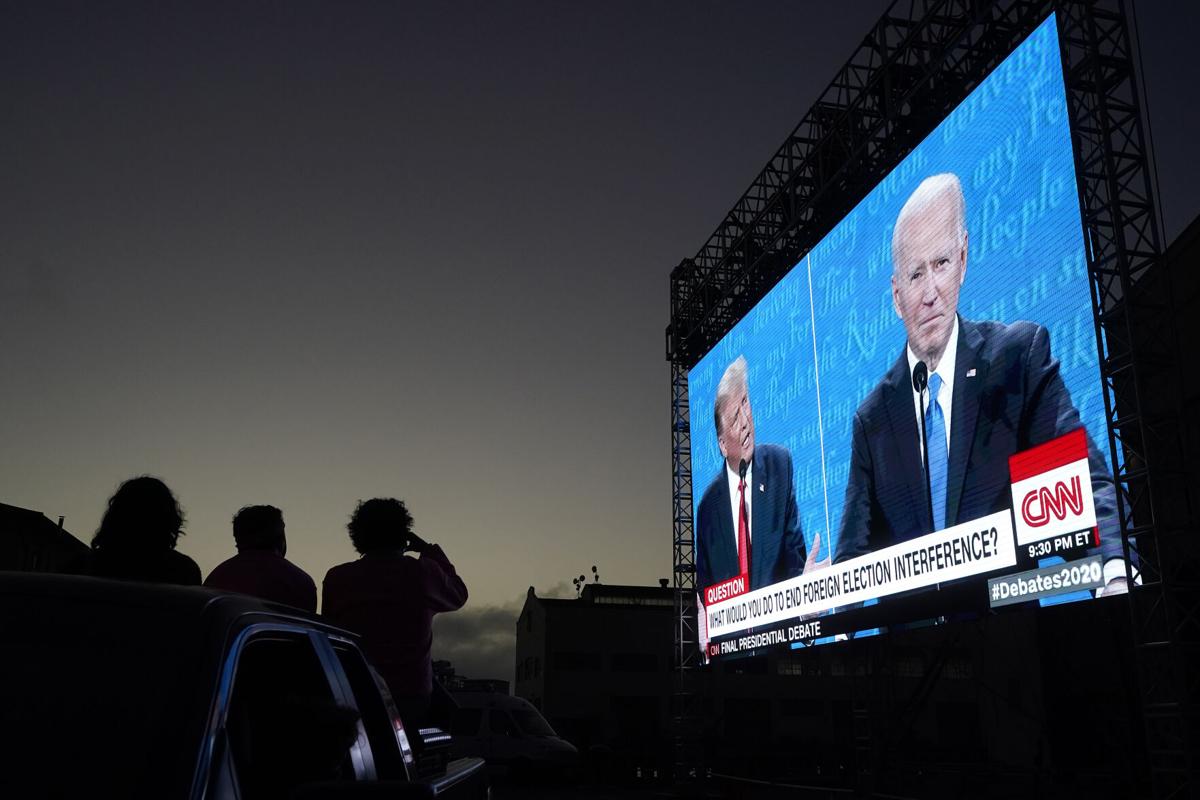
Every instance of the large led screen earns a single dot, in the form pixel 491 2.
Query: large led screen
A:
pixel 948 313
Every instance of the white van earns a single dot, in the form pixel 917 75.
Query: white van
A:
pixel 509 732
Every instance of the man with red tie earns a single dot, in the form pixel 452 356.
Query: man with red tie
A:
pixel 747 521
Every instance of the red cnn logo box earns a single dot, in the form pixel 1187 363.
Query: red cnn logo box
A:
pixel 1052 488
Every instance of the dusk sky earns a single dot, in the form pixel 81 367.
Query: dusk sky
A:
pixel 308 253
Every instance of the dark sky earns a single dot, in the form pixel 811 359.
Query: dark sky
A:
pixel 305 253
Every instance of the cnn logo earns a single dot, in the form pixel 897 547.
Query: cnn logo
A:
pixel 1041 504
pixel 1052 489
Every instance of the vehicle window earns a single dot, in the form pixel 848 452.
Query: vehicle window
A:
pixel 466 722
pixel 531 723
pixel 376 714
pixel 285 727
pixel 501 724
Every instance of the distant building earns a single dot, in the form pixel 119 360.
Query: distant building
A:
pixel 599 667
pixel 29 542
pixel 1182 259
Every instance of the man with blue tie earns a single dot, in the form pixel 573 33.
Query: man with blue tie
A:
pixel 993 390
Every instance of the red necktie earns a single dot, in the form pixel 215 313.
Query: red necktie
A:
pixel 743 531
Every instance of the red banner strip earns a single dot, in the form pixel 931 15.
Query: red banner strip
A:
pixel 1055 453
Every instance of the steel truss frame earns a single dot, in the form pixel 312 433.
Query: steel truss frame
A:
pixel 919 61
pixel 1140 367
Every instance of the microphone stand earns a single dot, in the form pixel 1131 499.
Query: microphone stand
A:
pixel 920 379
pixel 742 467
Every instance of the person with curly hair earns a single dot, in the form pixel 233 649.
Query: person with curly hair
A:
pixel 389 598
pixel 137 537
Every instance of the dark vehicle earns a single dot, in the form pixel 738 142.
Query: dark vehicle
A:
pixel 508 731
pixel 114 689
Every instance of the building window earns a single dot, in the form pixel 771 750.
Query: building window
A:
pixel 798 665
pixel 625 600
pixel 573 661
pixel 957 668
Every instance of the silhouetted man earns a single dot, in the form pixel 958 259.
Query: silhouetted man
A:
pixel 260 568
pixel 994 390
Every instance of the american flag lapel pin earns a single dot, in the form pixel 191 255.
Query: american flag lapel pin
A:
pixel 971 372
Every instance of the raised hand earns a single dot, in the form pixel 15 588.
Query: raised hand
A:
pixel 812 562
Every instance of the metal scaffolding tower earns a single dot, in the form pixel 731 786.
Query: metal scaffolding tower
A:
pixel 916 64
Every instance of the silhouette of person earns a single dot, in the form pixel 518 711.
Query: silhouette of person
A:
pixel 137 537
pixel 389 598
pixel 259 568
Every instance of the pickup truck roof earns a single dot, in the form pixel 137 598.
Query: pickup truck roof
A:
pixel 112 688
pixel 110 683
pixel 183 602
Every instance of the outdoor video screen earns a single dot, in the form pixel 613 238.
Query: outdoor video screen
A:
pixel 948 314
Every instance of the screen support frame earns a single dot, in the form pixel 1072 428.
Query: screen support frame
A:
pixel 918 61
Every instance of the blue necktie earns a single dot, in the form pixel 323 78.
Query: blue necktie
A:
pixel 935 432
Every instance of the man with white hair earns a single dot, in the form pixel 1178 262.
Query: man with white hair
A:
pixel 993 390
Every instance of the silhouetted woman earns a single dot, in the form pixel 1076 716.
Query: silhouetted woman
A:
pixel 137 537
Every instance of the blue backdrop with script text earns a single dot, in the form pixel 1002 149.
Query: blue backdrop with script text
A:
pixel 824 336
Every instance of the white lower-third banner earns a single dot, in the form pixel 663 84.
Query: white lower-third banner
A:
pixel 972 548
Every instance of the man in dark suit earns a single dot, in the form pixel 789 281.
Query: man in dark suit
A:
pixel 747 521
pixel 994 390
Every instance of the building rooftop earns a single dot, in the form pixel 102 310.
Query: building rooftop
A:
pixel 613 594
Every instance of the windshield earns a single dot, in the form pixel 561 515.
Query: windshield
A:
pixel 531 722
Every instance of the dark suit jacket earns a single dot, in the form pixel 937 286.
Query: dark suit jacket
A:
pixel 776 541
pixel 1015 400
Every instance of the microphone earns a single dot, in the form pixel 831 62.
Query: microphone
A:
pixel 920 376
pixel 920 379
pixel 742 466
